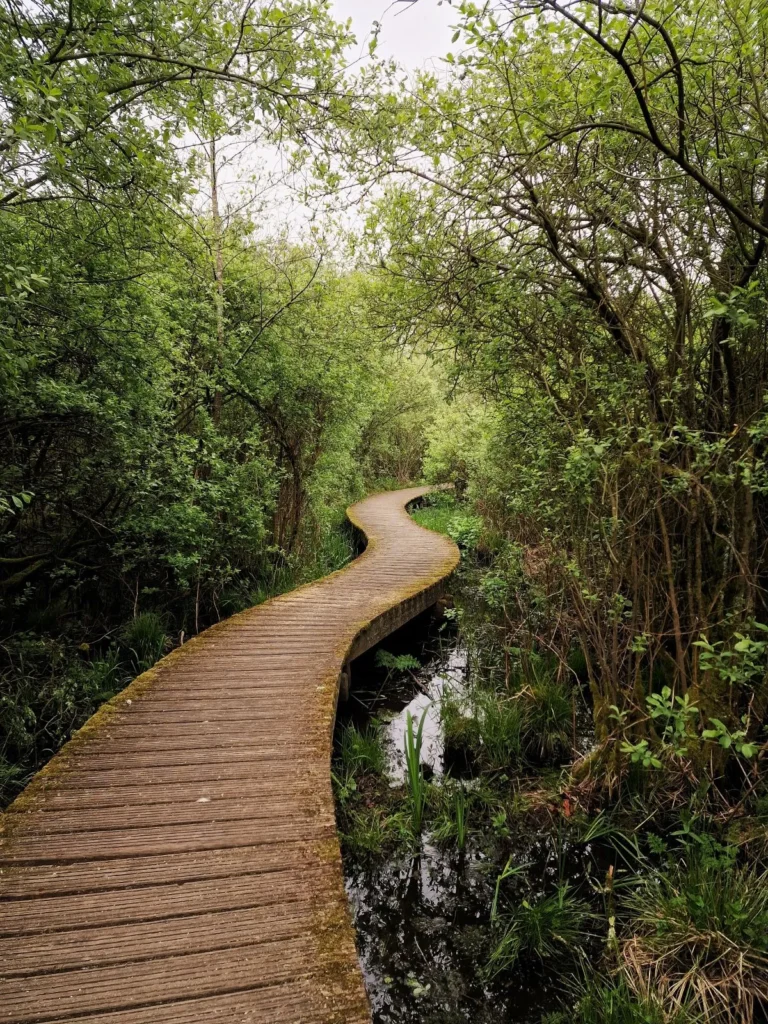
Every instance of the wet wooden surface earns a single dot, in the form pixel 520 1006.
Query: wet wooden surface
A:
pixel 177 862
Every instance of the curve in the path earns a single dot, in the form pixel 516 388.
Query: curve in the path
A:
pixel 177 862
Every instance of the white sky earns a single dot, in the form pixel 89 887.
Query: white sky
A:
pixel 412 33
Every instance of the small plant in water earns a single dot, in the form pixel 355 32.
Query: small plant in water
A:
pixel 601 1000
pixel 361 755
pixel 361 750
pixel 548 717
pixel 417 786
pixel 368 830
pixel 449 825
pixel 542 928
pixel 397 662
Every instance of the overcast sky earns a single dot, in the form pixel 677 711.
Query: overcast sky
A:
pixel 412 33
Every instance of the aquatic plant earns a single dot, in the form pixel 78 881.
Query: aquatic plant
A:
pixel 360 755
pixel 367 831
pixel 600 1000
pixel 487 724
pixel 500 719
pixel 460 727
pixel 548 716
pixel 397 662
pixel 449 824
pixel 344 786
pixel 460 806
pixel 509 870
pixel 543 928
pixel 361 750
pixel 417 787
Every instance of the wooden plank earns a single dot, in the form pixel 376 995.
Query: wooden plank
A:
pixel 294 1002
pixel 145 940
pixel 130 794
pixel 57 879
pixel 162 839
pixel 160 775
pixel 153 981
pixel 154 902
pixel 200 810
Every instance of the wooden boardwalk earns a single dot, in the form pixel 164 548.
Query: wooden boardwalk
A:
pixel 177 862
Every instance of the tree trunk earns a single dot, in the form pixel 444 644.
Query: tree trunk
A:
pixel 218 275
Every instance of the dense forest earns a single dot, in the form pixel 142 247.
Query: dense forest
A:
pixel 538 274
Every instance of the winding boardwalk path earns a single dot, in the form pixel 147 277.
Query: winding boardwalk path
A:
pixel 177 862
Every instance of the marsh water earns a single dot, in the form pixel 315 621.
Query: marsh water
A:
pixel 423 917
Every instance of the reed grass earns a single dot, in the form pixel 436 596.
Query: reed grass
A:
pixel 417 786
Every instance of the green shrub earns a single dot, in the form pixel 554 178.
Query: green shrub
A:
pixel 465 530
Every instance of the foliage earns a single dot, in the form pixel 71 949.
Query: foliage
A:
pixel 550 216
pixel 500 728
pixel 488 724
pixel 601 1001
pixel 436 511
pixel 370 818
pixel 449 819
pixel 188 401
pixel 145 639
pixel 396 662
pixel 548 714
pixel 366 831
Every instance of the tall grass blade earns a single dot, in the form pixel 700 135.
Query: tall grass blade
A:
pixel 417 787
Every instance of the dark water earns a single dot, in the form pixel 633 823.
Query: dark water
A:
pixel 422 918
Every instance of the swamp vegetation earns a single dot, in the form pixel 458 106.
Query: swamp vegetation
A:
pixel 538 273
pixel 489 879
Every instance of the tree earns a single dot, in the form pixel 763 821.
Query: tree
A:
pixel 579 211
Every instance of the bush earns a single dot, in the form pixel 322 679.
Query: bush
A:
pixel 48 689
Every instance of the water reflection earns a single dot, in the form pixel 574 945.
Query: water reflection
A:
pixel 447 676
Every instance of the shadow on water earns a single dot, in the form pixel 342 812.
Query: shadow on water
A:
pixel 423 917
